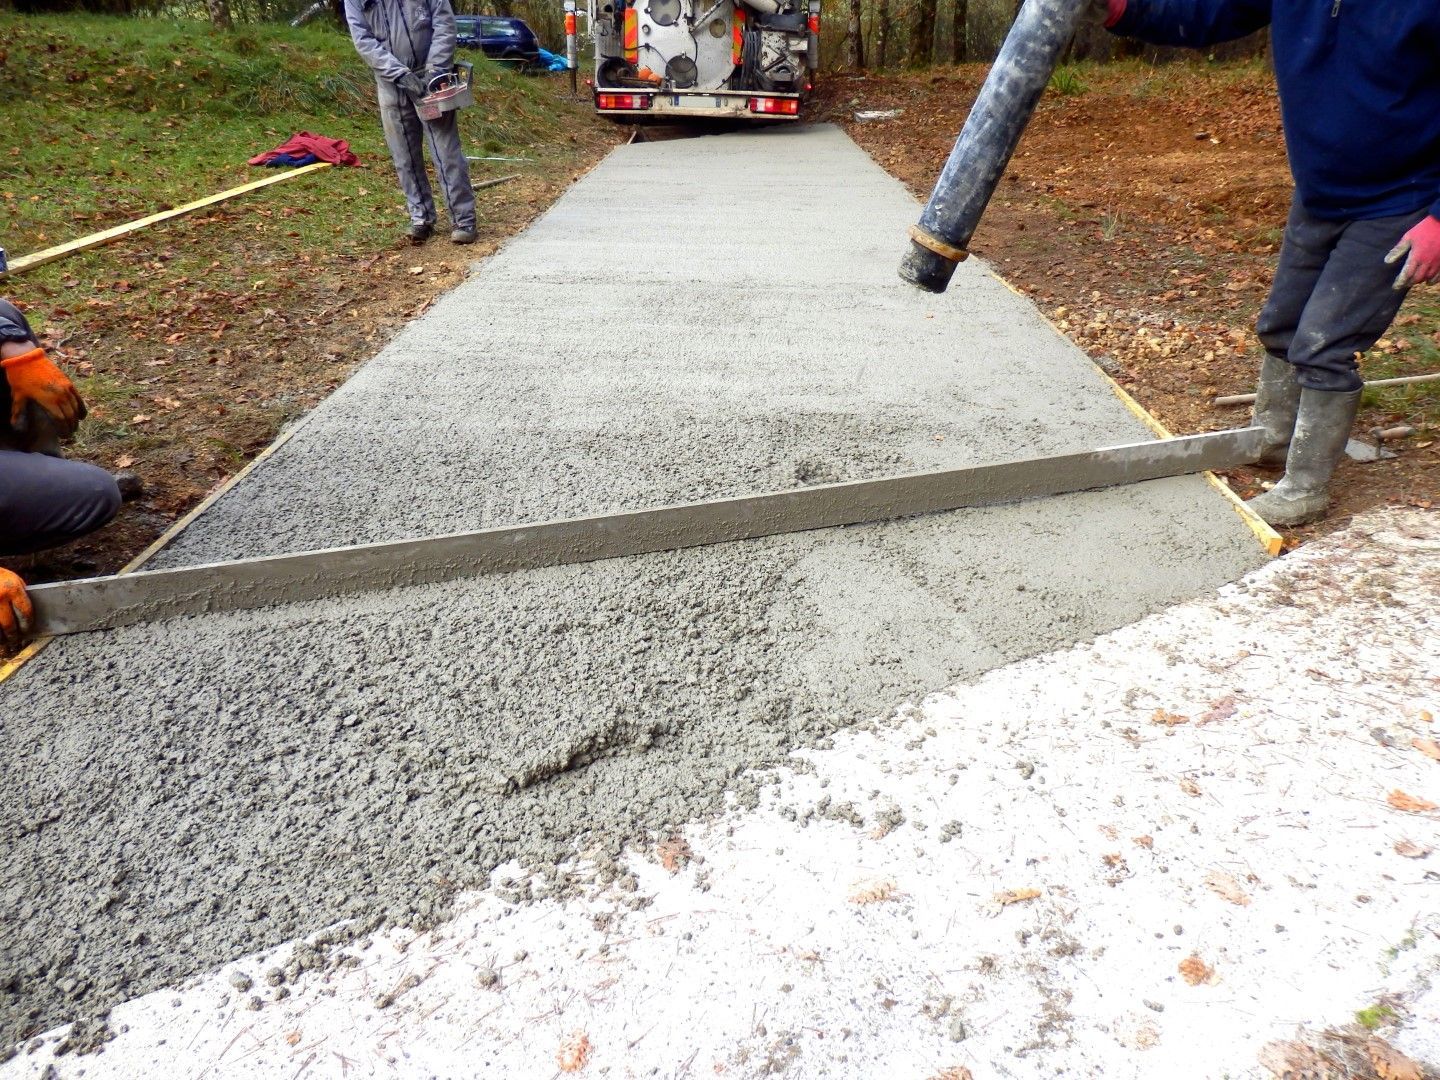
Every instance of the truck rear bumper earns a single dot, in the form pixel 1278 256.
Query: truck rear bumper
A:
pixel 711 104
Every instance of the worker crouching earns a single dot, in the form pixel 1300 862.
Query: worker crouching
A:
pixel 45 501
pixel 408 44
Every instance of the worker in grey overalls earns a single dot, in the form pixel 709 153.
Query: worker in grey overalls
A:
pixel 407 43
pixel 45 500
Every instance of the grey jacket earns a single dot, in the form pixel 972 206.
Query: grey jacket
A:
pixel 396 37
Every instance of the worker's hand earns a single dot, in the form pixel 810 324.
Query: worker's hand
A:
pixel 32 377
pixel 412 84
pixel 1422 245
pixel 16 614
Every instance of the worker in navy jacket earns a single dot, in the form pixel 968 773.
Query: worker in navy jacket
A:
pixel 1360 98
pixel 45 500
pixel 407 43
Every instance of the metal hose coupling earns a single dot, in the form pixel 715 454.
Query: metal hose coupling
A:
pixel 1006 102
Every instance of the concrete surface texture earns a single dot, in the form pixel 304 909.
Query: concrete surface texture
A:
pixel 1210 782
pixel 694 319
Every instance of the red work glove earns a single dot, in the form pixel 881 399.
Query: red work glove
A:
pixel 1110 11
pixel 15 611
pixel 32 377
pixel 1422 244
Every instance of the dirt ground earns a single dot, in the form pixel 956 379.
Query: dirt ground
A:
pixel 1143 212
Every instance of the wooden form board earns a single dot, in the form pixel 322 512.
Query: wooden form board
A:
pixel 94 240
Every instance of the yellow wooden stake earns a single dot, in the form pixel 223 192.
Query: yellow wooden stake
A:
pixel 109 236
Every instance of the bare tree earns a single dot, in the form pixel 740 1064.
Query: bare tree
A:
pixel 220 14
pixel 960 32
pixel 922 33
pixel 854 38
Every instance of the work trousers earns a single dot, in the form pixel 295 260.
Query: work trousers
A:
pixel 1333 295
pixel 48 501
pixel 403 128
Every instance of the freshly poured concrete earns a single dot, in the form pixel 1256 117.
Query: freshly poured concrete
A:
pixel 695 319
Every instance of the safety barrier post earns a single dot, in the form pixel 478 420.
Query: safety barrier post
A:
pixel 570 43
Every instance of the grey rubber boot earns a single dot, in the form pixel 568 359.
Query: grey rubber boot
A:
pixel 1277 399
pixel 1322 428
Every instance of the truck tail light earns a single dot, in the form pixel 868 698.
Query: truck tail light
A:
pixel 623 101
pixel 775 106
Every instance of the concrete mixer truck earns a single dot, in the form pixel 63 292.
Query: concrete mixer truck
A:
pixel 719 59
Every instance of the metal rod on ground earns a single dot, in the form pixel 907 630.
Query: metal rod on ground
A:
pixel 98 603
pixel 1404 380
pixel 570 44
pixel 1018 77
pixel 472 157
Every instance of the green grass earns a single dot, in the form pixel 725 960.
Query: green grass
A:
pixel 1373 1017
pixel 1419 402
pixel 109 119
pixel 1067 81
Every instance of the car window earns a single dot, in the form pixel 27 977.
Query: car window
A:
pixel 498 28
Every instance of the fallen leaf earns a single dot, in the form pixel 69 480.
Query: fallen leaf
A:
pixel 1221 710
pixel 141 419
pixel 574 1052
pixel 293 1038
pixel 1195 971
pixel 1411 804
pixel 1408 849
pixel 124 461
pixel 416 270
pixel 1226 887
pixel 1147 842
pixel 1296 1061
pixel 1169 719
pixel 1391 1064
pixel 872 892
pixel 1015 896
pixel 1429 747
pixel 1189 787
pixel 674 853
pixel 954 1072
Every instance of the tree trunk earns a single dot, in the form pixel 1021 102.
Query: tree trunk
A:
pixel 922 36
pixel 882 32
pixel 960 34
pixel 854 41
pixel 220 14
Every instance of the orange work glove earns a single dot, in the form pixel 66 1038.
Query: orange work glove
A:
pixel 15 610
pixel 32 377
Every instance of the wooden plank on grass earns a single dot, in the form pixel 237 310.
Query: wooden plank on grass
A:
pixel 94 240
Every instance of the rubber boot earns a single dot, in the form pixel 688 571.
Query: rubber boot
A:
pixel 419 232
pixel 462 235
pixel 1277 399
pixel 1322 428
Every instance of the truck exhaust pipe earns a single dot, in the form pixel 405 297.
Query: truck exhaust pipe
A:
pixel 1018 77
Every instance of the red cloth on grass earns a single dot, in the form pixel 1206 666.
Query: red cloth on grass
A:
pixel 335 151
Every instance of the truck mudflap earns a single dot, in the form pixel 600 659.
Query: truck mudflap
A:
pixel 715 104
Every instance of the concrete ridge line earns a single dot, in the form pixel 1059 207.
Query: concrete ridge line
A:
pixel 246 584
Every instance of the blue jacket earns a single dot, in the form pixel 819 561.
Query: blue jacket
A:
pixel 1359 91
